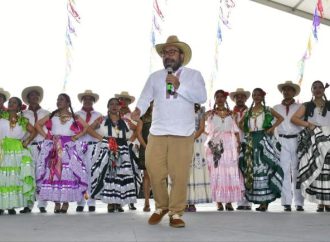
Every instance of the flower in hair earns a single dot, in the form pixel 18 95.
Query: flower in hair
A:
pixel 23 107
pixel 225 93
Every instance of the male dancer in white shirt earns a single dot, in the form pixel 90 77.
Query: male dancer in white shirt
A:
pixel 87 113
pixel 33 96
pixel 287 134
pixel 239 97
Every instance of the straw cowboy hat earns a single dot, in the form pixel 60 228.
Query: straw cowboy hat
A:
pixel 4 93
pixel 173 40
pixel 125 94
pixel 26 91
pixel 88 93
pixel 296 87
pixel 239 91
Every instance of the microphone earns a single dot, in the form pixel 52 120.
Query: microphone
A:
pixel 169 86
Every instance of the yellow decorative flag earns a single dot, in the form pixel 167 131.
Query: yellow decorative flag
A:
pixel 309 46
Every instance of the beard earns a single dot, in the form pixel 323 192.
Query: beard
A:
pixel 240 103
pixel 175 64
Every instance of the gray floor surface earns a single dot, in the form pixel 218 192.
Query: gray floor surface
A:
pixel 205 225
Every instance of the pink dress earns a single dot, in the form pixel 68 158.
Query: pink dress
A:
pixel 222 159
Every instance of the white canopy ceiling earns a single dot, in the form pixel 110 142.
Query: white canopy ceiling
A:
pixel 302 8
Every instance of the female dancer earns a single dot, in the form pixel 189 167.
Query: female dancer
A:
pixel 314 148
pixel 259 160
pixel 113 169
pixel 61 170
pixel 17 183
pixel 222 151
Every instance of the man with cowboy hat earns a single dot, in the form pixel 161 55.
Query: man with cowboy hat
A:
pixel 125 100
pixel 174 90
pixel 239 97
pixel 124 96
pixel 287 134
pixel 89 115
pixel 33 96
pixel 4 96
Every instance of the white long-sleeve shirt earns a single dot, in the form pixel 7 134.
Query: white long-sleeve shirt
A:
pixel 83 114
pixel 41 113
pixel 287 127
pixel 173 116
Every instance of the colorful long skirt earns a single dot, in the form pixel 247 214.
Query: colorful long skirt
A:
pixel 225 176
pixel 112 175
pixel 260 165
pixel 314 167
pixel 199 182
pixel 61 170
pixel 17 180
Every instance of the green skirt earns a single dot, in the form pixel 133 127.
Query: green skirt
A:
pixel 17 179
pixel 260 165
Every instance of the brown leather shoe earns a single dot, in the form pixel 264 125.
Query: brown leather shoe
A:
pixel 157 216
pixel 176 221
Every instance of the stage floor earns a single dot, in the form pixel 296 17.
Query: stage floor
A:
pixel 205 225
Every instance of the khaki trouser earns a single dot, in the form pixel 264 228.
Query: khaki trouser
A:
pixel 171 156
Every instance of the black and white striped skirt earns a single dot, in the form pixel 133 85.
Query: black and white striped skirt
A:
pixel 314 166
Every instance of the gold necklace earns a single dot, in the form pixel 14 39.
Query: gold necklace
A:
pixel 64 117
pixel 222 113
pixel 254 116
pixel 12 122
pixel 256 113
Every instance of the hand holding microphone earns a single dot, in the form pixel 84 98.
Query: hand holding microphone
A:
pixel 172 82
pixel 169 85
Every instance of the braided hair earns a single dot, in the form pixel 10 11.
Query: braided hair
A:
pixel 121 124
pixel 68 100
pixel 267 123
pixel 20 104
pixel 310 106
pixel 108 104
pixel 258 89
pixel 224 94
